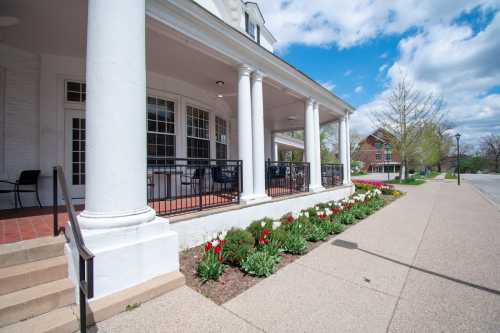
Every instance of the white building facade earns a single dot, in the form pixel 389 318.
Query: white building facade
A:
pixel 102 87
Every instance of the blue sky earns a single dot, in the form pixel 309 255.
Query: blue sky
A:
pixel 360 48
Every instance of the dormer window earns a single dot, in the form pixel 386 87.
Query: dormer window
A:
pixel 252 29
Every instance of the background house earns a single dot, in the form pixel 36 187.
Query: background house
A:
pixel 377 154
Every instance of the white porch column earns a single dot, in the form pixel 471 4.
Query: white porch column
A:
pixel 310 143
pixel 317 140
pixel 130 244
pixel 343 147
pixel 259 158
pixel 348 146
pixel 275 156
pixel 245 149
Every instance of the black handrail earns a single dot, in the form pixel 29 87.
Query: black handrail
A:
pixel 85 257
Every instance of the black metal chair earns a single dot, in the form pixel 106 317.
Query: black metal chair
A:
pixel 221 176
pixel 193 180
pixel 26 178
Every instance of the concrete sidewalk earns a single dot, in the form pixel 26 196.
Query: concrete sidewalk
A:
pixel 428 262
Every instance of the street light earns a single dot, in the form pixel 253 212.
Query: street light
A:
pixel 457 136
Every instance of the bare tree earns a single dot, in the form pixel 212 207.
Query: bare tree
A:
pixel 490 147
pixel 405 115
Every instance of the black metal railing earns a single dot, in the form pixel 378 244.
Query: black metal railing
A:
pixel 285 178
pixel 180 185
pixel 85 257
pixel 332 174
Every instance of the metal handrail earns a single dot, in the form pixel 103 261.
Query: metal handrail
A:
pixel 86 258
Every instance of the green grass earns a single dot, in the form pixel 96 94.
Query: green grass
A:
pixel 432 174
pixel 361 173
pixel 408 181
pixel 450 175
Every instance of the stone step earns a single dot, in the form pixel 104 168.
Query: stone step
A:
pixel 34 301
pixel 31 250
pixel 62 320
pixel 14 278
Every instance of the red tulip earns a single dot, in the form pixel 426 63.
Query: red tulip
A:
pixel 217 249
pixel 208 246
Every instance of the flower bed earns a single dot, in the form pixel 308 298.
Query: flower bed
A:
pixel 237 259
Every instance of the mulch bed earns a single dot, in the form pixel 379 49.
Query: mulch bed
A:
pixel 234 281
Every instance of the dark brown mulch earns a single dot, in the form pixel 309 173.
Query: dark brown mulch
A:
pixel 234 282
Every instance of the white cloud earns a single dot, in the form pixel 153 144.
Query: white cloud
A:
pixel 358 89
pixel 383 68
pixel 348 23
pixel 348 72
pixel 328 85
pixel 461 66
pixel 384 55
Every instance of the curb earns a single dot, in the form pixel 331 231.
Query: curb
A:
pixel 484 195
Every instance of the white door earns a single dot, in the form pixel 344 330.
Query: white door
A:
pixel 75 154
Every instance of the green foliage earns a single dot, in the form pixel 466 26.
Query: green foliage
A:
pixel 328 227
pixel 313 233
pixel 238 245
pixel 210 268
pixel 450 175
pixel 364 187
pixel 255 228
pixel 279 236
pixel 387 191
pixel 407 181
pixel 272 248
pixel 346 217
pixel 338 227
pixel 259 263
pixel 359 211
pixel 295 243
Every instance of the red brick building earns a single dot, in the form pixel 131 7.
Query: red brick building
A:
pixel 376 153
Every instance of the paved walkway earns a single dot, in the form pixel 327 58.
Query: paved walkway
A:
pixel 429 262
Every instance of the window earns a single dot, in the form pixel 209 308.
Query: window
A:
pixel 252 29
pixel 78 151
pixel 378 145
pixel 75 91
pixel 161 130
pixel 221 138
pixel 388 155
pixel 198 142
pixel 378 156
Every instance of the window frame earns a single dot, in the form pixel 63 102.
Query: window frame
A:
pixel 82 91
pixel 192 135
pixel 219 143
pixel 166 133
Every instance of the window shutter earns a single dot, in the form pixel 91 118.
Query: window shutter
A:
pixel 247 21
pixel 258 34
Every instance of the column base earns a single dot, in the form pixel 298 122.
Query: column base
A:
pixel 254 198
pixel 92 220
pixel 125 257
pixel 316 188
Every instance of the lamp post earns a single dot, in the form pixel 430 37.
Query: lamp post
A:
pixel 457 136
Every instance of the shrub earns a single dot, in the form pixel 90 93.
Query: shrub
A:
pixel 279 236
pixel 313 233
pixel 238 245
pixel 327 227
pixel 295 244
pixel 211 267
pixel 346 217
pixel 256 227
pixel 259 263
pixel 273 249
pixel 338 228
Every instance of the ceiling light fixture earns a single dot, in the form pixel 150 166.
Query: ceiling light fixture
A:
pixel 220 83
pixel 291 118
pixel 220 95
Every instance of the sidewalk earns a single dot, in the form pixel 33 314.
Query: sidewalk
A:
pixel 428 262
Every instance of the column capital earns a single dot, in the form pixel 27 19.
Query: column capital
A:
pixel 310 101
pixel 257 75
pixel 244 70
pixel 315 104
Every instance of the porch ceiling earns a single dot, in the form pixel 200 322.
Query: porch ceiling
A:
pixel 59 27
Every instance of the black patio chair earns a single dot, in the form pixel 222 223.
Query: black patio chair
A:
pixel 224 177
pixel 26 178
pixel 193 180
pixel 277 172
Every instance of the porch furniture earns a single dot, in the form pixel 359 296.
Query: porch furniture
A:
pixel 277 172
pixel 168 172
pixel 27 179
pixel 194 179
pixel 223 177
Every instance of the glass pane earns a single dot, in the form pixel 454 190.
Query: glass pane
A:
pixel 73 97
pixel 73 86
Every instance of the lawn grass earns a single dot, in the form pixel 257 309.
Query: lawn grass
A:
pixel 432 174
pixel 450 175
pixel 408 181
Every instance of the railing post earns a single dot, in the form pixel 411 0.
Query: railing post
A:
pixel 83 303
pixel 55 210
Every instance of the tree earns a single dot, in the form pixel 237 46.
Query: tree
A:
pixel 434 144
pixel 405 115
pixel 490 148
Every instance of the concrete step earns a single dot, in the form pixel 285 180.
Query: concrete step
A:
pixel 34 301
pixel 62 320
pixel 31 250
pixel 14 278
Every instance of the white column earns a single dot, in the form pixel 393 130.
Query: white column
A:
pixel 259 155
pixel 118 225
pixel 317 140
pixel 245 149
pixel 275 156
pixel 343 147
pixel 348 146
pixel 310 143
